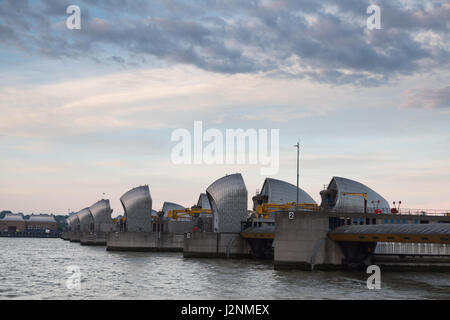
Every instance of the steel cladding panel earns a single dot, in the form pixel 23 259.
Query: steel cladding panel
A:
pixel 281 192
pixel 228 201
pixel 167 206
pixel 74 222
pixel 13 217
pixel 203 201
pixel 86 220
pixel 137 204
pixel 69 221
pixel 101 212
pixel 356 203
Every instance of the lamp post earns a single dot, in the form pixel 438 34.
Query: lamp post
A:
pixel 298 164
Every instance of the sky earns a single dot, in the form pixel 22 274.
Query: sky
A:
pixel 88 114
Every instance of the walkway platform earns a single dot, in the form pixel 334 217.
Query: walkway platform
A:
pixel 412 233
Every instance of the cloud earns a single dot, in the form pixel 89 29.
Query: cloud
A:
pixel 428 98
pixel 323 41
pixel 154 99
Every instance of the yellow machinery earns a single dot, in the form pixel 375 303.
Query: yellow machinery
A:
pixel 178 213
pixel 115 220
pixel 363 195
pixel 266 208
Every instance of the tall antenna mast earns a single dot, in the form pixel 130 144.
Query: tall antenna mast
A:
pixel 298 168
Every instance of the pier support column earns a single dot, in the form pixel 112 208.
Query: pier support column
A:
pixel 75 236
pixel 145 241
pixel 301 241
pixel 215 245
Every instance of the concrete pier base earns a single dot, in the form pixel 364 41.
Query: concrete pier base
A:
pixel 88 239
pixel 75 236
pixel 145 241
pixel 215 245
pixel 302 243
pixel 65 235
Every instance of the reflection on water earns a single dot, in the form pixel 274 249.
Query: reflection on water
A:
pixel 36 269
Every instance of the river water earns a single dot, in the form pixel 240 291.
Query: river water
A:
pixel 38 269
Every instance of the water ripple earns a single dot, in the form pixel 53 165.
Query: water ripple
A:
pixel 37 269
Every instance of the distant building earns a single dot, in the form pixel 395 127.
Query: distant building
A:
pixel 86 220
pixel 15 222
pixel 12 222
pixel 41 222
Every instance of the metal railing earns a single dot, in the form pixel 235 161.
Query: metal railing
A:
pixel 28 234
pixel 385 211
pixel 425 212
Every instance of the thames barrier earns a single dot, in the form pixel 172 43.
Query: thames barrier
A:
pixel 353 227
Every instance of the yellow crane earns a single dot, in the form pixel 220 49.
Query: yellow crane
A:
pixel 191 212
pixel 266 208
